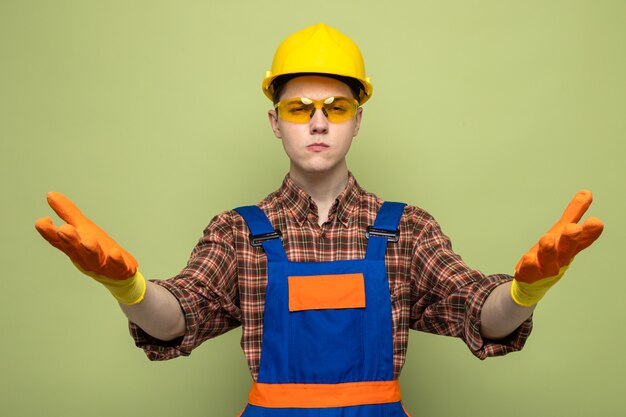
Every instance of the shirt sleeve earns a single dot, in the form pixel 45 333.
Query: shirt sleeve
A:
pixel 447 296
pixel 207 291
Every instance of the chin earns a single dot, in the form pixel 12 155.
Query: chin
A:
pixel 316 169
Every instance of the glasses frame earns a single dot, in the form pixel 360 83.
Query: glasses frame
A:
pixel 317 105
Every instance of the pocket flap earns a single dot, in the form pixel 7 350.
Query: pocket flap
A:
pixel 318 292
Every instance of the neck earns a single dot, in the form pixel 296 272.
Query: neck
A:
pixel 323 187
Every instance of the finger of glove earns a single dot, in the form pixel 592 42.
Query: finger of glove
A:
pixel 69 212
pixel 70 244
pixel 48 231
pixel 591 230
pixel 574 210
pixel 92 253
pixel 117 266
pixel 65 208
pixel 527 269
pixel 568 243
pixel 547 256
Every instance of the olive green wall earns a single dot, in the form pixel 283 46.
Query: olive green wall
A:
pixel 149 114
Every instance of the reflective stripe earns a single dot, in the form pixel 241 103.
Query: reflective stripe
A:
pixel 324 395
pixel 316 292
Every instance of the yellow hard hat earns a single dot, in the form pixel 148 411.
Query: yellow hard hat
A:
pixel 319 49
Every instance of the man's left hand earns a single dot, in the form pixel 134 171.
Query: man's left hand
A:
pixel 544 264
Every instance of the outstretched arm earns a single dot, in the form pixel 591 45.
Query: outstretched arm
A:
pixel 510 304
pixel 159 313
pixel 500 315
pixel 97 255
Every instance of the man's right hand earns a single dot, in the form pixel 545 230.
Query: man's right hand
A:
pixel 92 251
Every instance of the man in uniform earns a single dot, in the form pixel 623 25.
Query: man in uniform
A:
pixel 325 278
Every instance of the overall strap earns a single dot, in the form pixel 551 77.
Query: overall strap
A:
pixel 385 230
pixel 262 233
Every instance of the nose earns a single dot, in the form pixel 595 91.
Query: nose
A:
pixel 318 123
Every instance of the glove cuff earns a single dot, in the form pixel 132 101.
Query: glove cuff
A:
pixel 127 291
pixel 528 294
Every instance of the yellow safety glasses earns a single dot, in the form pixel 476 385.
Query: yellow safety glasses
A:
pixel 301 109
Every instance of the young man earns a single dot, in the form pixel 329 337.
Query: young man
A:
pixel 325 278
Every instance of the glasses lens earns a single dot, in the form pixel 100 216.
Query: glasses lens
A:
pixel 294 110
pixel 340 109
pixel 300 109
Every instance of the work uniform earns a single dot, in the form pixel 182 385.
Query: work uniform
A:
pixel 223 285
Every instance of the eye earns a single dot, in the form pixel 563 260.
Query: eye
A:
pixel 297 109
pixel 338 108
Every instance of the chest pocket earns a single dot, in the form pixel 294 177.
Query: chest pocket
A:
pixel 326 320
pixel 319 292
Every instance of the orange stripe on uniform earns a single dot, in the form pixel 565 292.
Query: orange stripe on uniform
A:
pixel 324 395
pixel 315 292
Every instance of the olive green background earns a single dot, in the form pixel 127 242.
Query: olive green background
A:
pixel 149 115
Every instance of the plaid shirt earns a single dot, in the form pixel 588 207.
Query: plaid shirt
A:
pixel 432 290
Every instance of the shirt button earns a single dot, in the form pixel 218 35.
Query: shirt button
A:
pixel 323 236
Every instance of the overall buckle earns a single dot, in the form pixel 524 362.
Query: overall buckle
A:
pixel 257 240
pixel 391 235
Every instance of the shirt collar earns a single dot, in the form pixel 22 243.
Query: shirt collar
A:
pixel 300 204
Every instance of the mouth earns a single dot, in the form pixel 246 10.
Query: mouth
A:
pixel 317 147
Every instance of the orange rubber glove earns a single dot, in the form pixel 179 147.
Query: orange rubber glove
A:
pixel 544 264
pixel 92 251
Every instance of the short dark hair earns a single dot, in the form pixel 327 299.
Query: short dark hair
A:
pixel 278 85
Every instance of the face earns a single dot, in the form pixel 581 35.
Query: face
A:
pixel 318 146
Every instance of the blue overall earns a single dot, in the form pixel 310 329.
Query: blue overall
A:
pixel 324 361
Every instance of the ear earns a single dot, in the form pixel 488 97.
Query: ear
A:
pixel 273 118
pixel 357 124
